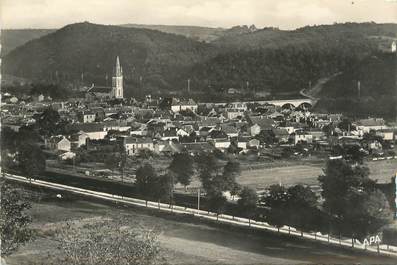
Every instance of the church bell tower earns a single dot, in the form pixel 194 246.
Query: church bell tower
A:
pixel 117 81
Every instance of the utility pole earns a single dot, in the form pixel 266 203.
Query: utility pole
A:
pixel 188 85
pixel 359 89
pixel 198 199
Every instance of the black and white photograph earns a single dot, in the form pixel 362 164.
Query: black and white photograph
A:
pixel 198 132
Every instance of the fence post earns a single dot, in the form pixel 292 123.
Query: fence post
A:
pixel 328 237
pixel 249 222
pixel 340 243
pixel 377 248
pixel 352 242
pixel 315 235
pixel 289 230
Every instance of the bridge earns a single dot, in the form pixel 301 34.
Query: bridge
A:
pixel 301 102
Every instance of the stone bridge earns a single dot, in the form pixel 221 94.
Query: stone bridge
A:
pixel 307 102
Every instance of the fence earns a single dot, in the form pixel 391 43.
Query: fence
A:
pixel 223 218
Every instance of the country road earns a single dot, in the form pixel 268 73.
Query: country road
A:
pixel 313 92
pixel 268 246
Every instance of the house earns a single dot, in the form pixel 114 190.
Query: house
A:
pixel 198 148
pixel 232 114
pixel 367 125
pixel 87 116
pixel 66 155
pixel 220 144
pixel 253 143
pixel 182 133
pixel 132 145
pixel 59 143
pixel 78 139
pixel 387 135
pixel 230 130
pixel 301 136
pixel 259 123
pixel 318 135
pixel 183 105
pixel 281 135
pixel 168 135
pixel 95 131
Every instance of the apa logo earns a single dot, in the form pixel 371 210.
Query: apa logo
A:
pixel 372 240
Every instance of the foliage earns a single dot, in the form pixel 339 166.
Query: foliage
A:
pixel 108 242
pixel 14 220
pixel 247 203
pixel 182 165
pixel 266 137
pixel 31 160
pixel 295 206
pixel 357 208
pixel 152 186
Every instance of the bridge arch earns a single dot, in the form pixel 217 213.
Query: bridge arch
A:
pixel 305 106
pixel 288 105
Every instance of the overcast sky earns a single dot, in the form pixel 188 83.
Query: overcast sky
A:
pixel 285 14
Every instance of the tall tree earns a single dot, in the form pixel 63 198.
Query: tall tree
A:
pixel 182 167
pixel 48 122
pixel 247 203
pixel 276 200
pixel 31 160
pixel 358 208
pixel 302 208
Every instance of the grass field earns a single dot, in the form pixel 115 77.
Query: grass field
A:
pixel 185 240
pixel 308 173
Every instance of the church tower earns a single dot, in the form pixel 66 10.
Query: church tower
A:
pixel 117 81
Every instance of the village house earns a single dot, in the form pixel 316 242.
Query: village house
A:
pixel 87 116
pixel 78 139
pixel 59 143
pixel 386 134
pixel 302 136
pixel 183 105
pixel 367 125
pixel 132 145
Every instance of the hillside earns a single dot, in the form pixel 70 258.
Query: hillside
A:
pixel 275 38
pixel 377 95
pixel 91 49
pixel 205 34
pixel 12 38
pixel 270 60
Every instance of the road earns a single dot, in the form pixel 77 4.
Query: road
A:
pixel 217 240
pixel 187 240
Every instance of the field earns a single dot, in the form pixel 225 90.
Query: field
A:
pixel 308 173
pixel 185 240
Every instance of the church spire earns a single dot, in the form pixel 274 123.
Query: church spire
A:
pixel 119 70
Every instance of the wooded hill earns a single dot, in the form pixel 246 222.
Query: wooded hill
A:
pixel 272 60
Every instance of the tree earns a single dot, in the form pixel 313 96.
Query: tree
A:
pixel 276 200
pixel 302 208
pixel 230 172
pixel 216 202
pixel 48 121
pixel 351 198
pixel 152 186
pixel 266 137
pixel 31 160
pixel 183 168
pixel 112 162
pixel 14 220
pixel 146 176
pixel 110 242
pixel 246 205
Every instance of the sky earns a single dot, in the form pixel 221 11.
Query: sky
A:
pixel 285 14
